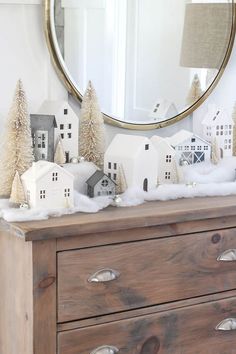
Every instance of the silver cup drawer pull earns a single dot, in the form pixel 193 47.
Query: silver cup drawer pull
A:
pixel 228 256
pixel 103 276
pixel 227 325
pixel 105 349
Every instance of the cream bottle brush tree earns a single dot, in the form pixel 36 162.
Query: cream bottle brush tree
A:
pixel 195 91
pixel 17 191
pixel 92 131
pixel 59 156
pixel 17 153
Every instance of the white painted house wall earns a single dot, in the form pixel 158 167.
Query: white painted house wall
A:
pixel 165 160
pixel 137 156
pixel 53 189
pixel 25 55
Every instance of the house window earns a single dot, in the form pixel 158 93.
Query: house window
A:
pixel 226 141
pixel 109 175
pixel 199 148
pixel 186 148
pixel 42 194
pixel 109 165
pixel 221 133
pixel 69 126
pixel 168 158
pixel 69 135
pixel 167 175
pixel 217 133
pixel 230 126
pixel 217 127
pixel 230 132
pixel 114 176
pixel 55 176
pixel 105 183
pixel 226 126
pixel 193 147
pixel 226 147
pixel 65 111
pixel 221 127
pixel 62 136
pixel 193 140
pixel 115 166
pixel 61 126
pixel 43 156
pixel 67 192
pixel 43 145
pixel 147 147
pixel 205 147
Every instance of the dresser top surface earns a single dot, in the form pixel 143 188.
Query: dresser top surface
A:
pixel 114 219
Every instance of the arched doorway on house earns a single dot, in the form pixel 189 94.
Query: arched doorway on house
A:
pixel 145 185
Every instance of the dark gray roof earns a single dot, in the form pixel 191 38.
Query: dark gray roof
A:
pixel 51 118
pixel 96 177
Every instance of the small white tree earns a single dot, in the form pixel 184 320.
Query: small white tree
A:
pixel 92 130
pixel 121 181
pixel 215 152
pixel 17 153
pixel 59 156
pixel 195 91
pixel 17 192
pixel 234 130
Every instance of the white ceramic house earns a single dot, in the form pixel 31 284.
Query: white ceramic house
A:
pixel 190 147
pixel 218 124
pixel 163 109
pixel 67 125
pixel 138 157
pixel 165 159
pixel 48 185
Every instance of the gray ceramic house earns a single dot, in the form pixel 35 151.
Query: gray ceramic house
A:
pixel 42 129
pixel 100 184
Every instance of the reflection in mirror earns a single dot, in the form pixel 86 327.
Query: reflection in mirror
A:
pixel 149 60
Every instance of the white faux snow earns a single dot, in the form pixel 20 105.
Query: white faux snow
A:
pixel 210 180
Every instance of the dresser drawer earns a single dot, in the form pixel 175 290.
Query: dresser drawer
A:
pixel 200 329
pixel 145 273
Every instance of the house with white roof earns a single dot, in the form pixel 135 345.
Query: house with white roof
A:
pixel 163 109
pixel 67 126
pixel 48 186
pixel 167 169
pixel 190 148
pixel 218 125
pixel 138 158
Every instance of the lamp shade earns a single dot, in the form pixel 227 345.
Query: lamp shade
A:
pixel 206 35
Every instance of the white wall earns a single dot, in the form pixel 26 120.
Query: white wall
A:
pixel 24 55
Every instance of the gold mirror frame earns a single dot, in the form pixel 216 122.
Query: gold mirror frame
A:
pixel 64 75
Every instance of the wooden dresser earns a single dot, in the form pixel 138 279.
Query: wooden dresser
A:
pixel 155 279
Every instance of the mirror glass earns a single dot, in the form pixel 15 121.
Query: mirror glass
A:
pixel 149 60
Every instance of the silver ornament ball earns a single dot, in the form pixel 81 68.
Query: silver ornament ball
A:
pixel 74 160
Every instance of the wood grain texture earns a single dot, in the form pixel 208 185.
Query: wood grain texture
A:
pixel 113 219
pixel 151 273
pixel 44 294
pixel 67 326
pixel 189 330
pixel 145 233
pixel 16 300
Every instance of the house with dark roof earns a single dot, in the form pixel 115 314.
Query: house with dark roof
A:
pixel 99 184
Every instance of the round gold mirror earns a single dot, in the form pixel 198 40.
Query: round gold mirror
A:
pixel 152 62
